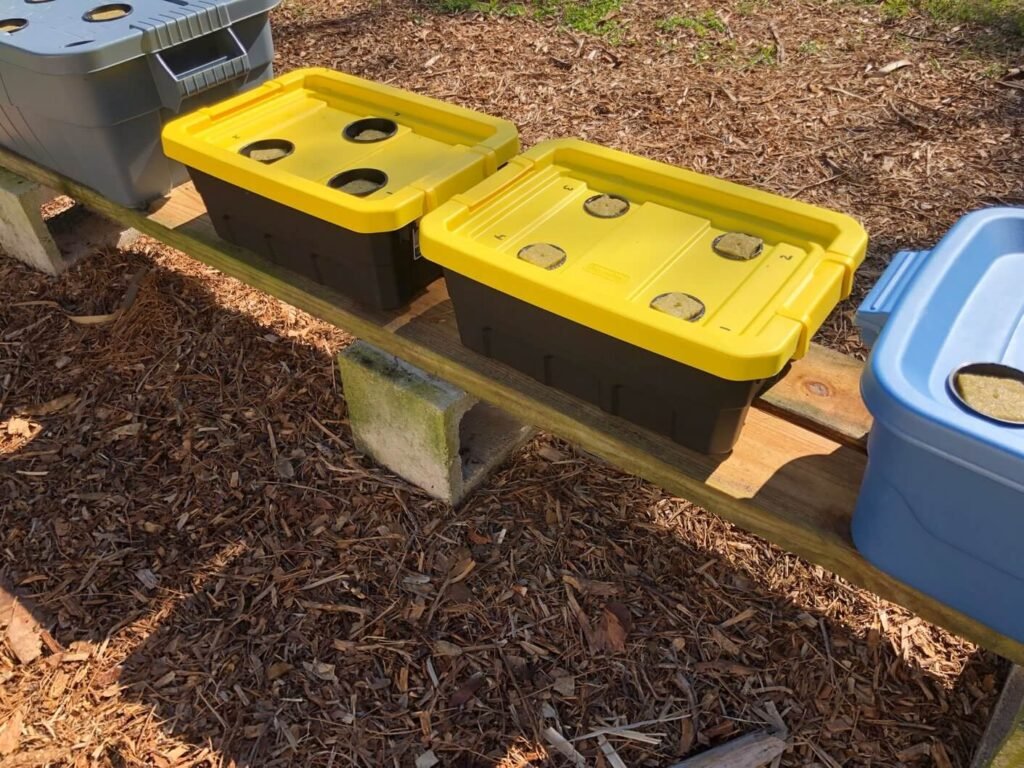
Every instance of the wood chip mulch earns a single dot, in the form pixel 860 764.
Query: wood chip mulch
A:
pixel 198 569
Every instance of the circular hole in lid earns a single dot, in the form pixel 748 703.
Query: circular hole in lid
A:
pixel 370 130
pixel 544 255
pixel 681 305
pixel 738 246
pixel 606 206
pixel 992 390
pixel 12 25
pixel 268 151
pixel 359 181
pixel 109 12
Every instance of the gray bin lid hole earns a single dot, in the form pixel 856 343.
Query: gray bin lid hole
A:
pixel 108 12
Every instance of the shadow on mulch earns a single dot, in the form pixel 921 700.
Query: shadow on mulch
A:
pixel 1001 35
pixel 274 597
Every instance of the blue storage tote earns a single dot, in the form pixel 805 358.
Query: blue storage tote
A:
pixel 942 504
pixel 86 86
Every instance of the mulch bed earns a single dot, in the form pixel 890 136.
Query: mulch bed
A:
pixel 221 579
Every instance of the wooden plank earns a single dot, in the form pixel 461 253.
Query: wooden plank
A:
pixel 822 392
pixel 750 751
pixel 784 482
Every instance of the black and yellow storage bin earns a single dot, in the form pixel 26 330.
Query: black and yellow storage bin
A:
pixel 328 175
pixel 663 296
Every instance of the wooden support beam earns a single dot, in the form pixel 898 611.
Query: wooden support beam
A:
pixel 822 393
pixel 785 481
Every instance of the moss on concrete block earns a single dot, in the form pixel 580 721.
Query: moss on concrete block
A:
pixel 405 419
pixel 422 428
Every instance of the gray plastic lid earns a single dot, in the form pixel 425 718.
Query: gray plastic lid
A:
pixel 64 37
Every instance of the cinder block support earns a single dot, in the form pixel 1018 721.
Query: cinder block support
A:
pixel 1002 746
pixel 23 233
pixel 52 245
pixel 422 428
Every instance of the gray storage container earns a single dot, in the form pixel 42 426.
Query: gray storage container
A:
pixel 86 85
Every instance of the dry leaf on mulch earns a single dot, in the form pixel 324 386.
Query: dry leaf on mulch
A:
pixel 10 733
pixel 22 632
pixel 613 628
pixel 467 690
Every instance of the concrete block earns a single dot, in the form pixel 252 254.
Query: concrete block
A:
pixel 51 245
pixel 79 232
pixel 23 232
pixel 1002 745
pixel 423 429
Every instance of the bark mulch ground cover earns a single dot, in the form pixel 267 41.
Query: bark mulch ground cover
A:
pixel 214 576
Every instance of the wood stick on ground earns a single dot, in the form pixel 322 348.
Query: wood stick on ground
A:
pixel 750 751
pixel 780 49
pixel 609 753
pixel 560 744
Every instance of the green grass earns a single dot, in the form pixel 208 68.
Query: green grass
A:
pixel 704 52
pixel 714 47
pixel 893 10
pixel 766 55
pixel 747 7
pixel 995 70
pixel 495 7
pixel 720 53
pixel 708 29
pixel 1002 14
pixel 703 25
pixel 588 16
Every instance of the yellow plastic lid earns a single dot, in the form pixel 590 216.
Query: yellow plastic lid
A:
pixel 364 156
pixel 727 279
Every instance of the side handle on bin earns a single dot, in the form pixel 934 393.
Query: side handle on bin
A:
pixel 178 78
pixel 874 311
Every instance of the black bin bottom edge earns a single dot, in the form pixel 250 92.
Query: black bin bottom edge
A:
pixel 693 408
pixel 382 271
